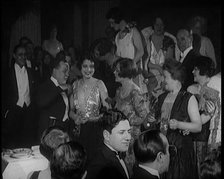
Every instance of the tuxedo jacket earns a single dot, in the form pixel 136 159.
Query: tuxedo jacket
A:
pixel 50 104
pixel 188 64
pixel 106 165
pixel 140 173
pixel 12 87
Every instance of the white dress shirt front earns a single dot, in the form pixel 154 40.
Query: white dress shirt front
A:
pixel 23 85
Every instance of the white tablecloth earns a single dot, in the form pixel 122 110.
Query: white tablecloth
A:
pixel 20 168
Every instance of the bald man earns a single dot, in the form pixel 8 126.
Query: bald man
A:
pixel 184 42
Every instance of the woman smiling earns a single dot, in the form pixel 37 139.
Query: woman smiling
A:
pixel 88 97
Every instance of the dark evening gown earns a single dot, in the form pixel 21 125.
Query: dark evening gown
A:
pixel 183 164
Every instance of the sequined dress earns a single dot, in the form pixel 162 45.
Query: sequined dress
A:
pixel 88 106
pixel 134 107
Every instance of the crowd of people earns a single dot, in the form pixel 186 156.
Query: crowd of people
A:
pixel 136 104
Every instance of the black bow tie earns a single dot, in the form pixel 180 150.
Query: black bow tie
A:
pixel 121 155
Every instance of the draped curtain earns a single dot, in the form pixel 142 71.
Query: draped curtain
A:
pixel 97 18
pixel 27 25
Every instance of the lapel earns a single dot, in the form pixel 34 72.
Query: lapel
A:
pixel 189 59
pixel 53 88
pixel 14 82
pixel 111 156
pixel 30 78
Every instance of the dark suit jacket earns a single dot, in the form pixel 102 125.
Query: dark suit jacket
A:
pixel 50 103
pixel 106 165
pixel 140 173
pixel 188 64
pixel 12 87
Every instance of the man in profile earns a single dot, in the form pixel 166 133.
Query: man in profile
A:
pixel 52 97
pixel 151 151
pixel 116 134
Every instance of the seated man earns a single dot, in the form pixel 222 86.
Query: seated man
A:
pixel 68 161
pixel 152 154
pixel 50 140
pixel 116 134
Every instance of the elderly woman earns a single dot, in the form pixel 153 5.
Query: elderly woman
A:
pixel 130 100
pixel 178 111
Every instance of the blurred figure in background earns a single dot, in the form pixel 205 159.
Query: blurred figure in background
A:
pixel 52 45
pixel 198 26
pixel 51 138
pixel 211 167
pixel 68 161
pixel 188 55
pixel 128 41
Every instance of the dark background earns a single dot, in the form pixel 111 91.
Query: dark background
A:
pixel 175 14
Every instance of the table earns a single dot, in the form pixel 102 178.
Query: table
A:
pixel 20 168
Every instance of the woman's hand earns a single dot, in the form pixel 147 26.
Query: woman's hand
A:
pixel 77 118
pixel 210 107
pixel 173 123
pixel 186 132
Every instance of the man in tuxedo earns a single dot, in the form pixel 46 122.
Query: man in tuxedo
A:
pixel 188 55
pixel 109 162
pixel 17 120
pixel 52 99
pixel 152 154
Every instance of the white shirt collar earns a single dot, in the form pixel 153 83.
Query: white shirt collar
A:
pixel 19 68
pixel 54 81
pixel 184 54
pixel 150 170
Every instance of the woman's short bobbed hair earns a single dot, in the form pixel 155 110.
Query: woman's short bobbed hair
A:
pixel 86 56
pixel 116 14
pixel 127 68
pixel 205 66
pixel 176 70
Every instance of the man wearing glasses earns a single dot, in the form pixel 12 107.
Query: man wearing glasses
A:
pixel 152 153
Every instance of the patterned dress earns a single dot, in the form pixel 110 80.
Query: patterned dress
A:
pixel 134 107
pixel 203 94
pixel 88 106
